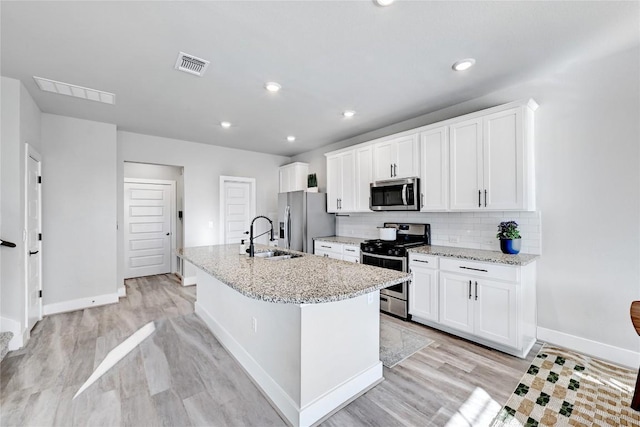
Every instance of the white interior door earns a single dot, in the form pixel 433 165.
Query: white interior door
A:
pixel 238 209
pixel 147 228
pixel 34 255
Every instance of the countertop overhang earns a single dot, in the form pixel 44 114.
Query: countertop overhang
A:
pixel 309 279
pixel 481 255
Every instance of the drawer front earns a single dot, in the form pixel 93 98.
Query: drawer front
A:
pixel 424 261
pixel 351 251
pixel 481 269
pixel 319 245
pixel 350 258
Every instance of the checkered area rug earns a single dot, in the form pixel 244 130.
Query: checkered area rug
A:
pixel 563 388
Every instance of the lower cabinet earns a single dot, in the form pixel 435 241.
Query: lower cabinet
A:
pixel 492 304
pixel 336 250
pixel 423 289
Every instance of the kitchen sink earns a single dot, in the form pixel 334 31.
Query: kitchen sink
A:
pixel 276 255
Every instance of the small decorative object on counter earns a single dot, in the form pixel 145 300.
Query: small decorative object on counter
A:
pixel 243 248
pixel 312 183
pixel 510 240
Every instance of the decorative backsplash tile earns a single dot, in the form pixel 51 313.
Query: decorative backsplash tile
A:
pixel 476 230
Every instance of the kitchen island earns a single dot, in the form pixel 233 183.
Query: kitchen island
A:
pixel 305 329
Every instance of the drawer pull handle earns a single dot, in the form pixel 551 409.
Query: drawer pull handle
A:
pixel 474 269
pixel 350 250
pixel 421 260
pixel 323 246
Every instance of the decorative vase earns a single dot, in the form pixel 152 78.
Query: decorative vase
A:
pixel 510 246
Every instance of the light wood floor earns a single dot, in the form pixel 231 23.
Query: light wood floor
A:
pixel 181 376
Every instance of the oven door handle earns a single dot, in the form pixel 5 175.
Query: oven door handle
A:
pixel 404 194
pixel 395 258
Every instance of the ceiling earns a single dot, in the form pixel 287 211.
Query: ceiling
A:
pixel 387 63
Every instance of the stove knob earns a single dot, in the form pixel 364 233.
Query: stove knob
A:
pixel 390 251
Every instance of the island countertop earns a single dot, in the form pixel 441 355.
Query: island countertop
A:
pixel 309 279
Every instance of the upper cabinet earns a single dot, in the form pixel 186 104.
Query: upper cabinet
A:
pixel 396 158
pixel 491 161
pixel 476 162
pixel 293 177
pixel 341 182
pixel 434 169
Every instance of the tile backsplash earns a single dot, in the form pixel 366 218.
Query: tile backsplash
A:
pixel 476 230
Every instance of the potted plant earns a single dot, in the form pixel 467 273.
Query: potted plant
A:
pixel 312 183
pixel 510 240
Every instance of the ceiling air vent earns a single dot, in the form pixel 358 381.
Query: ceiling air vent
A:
pixel 191 64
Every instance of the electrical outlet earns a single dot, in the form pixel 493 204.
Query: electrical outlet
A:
pixel 454 239
pixel 254 324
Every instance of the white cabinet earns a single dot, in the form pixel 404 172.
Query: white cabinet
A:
pixel 423 289
pixel 491 161
pixel 293 177
pixel 434 169
pixel 363 178
pixel 336 250
pixel 341 182
pixel 492 304
pixel 396 158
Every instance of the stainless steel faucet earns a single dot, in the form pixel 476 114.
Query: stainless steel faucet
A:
pixel 252 237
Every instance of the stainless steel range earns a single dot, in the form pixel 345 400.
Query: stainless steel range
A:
pixel 393 254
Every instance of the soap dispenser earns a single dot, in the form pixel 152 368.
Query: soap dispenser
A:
pixel 243 247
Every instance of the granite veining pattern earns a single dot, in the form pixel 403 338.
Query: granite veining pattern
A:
pixel 341 239
pixel 308 279
pixel 476 255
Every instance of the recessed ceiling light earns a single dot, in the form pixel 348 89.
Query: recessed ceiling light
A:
pixel 383 2
pixel 75 90
pixel 272 86
pixel 348 114
pixel 291 138
pixel 464 64
pixel 225 124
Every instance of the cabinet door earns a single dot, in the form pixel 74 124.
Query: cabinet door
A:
pixel 495 317
pixel 423 293
pixel 503 151
pixel 406 157
pixel 347 198
pixel 382 160
pixel 351 258
pixel 456 309
pixel 434 174
pixel 466 165
pixel 285 176
pixel 334 183
pixel 364 177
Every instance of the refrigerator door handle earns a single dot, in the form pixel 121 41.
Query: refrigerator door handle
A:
pixel 288 225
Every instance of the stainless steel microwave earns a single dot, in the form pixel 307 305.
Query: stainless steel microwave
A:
pixel 395 195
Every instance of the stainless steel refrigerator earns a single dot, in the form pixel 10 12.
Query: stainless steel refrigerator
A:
pixel 301 217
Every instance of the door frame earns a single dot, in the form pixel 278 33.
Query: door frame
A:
pixel 223 200
pixel 172 191
pixel 31 152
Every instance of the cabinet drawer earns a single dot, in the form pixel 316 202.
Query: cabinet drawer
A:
pixel 481 269
pixel 351 251
pixel 320 245
pixel 424 261
pixel 351 258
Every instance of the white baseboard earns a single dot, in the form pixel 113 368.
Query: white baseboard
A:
pixel 20 335
pixel 285 405
pixel 620 356
pixel 122 292
pixel 80 303
pixel 189 280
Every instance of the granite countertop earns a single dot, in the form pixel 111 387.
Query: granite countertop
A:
pixel 476 255
pixel 341 239
pixel 308 279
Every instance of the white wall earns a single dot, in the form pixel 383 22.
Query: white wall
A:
pixel 588 191
pixel 203 165
pixel 20 124
pixel 79 212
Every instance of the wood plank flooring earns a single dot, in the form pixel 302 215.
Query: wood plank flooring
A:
pixel 181 375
